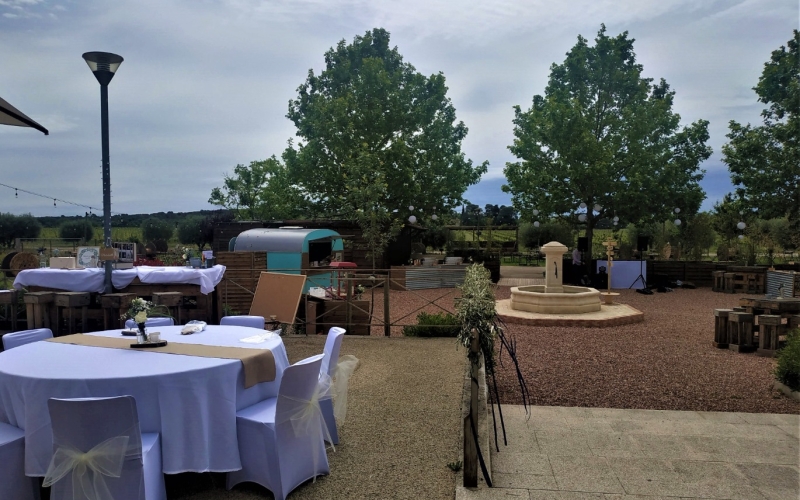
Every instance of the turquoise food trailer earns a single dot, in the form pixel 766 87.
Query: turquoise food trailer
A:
pixel 296 250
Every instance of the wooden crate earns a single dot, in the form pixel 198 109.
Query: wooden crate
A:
pixel 238 285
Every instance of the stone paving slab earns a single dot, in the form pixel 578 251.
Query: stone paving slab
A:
pixel 565 453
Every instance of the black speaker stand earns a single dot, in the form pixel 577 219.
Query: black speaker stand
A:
pixel 640 277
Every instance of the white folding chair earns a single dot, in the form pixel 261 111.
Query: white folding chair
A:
pixel 330 357
pixel 16 339
pixel 14 484
pixel 251 321
pixel 151 322
pixel 109 428
pixel 280 439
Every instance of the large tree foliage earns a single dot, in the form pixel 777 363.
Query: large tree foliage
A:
pixel 368 110
pixel 17 226
pixel 764 161
pixel 76 229
pixel 259 191
pixel 604 135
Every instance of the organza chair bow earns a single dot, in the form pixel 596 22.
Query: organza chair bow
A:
pixel 334 409
pixel 281 441
pixel 341 381
pixel 99 452
pixel 90 468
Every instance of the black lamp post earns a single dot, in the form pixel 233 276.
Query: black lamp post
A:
pixel 104 65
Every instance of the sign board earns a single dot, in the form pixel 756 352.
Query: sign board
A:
pixel 88 256
pixel 278 295
pixel 126 252
pixel 107 253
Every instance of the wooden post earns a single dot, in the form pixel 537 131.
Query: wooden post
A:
pixel 387 328
pixel 470 446
pixel 349 302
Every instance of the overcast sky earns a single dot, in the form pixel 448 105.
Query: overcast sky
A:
pixel 206 83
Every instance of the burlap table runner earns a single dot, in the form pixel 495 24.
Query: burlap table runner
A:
pixel 259 364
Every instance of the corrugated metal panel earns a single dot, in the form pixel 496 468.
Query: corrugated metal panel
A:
pixel 776 279
pixel 435 277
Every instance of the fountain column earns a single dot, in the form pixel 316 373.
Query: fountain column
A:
pixel 554 272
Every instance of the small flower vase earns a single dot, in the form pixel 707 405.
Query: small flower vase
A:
pixel 141 337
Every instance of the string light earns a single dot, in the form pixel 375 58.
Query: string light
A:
pixel 17 190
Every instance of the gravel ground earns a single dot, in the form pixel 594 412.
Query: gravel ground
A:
pixel 402 426
pixel 666 362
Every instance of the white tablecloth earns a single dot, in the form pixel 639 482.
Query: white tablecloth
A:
pixel 93 279
pixel 192 401
pixel 625 273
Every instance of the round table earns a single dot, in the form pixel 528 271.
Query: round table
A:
pixel 191 401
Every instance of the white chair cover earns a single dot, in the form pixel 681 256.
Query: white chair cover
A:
pixel 151 322
pixel 16 339
pixel 100 453
pixel 331 357
pixel 280 439
pixel 14 485
pixel 251 321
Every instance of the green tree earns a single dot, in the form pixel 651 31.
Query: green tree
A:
pixel 156 229
pixel 604 135
pixel 17 226
pixel 259 191
pixel 696 235
pixel 76 229
pixel 764 161
pixel 192 231
pixel 369 107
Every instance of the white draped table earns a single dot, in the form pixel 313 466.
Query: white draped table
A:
pixel 92 279
pixel 191 401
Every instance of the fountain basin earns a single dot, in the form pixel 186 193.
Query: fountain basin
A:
pixel 571 300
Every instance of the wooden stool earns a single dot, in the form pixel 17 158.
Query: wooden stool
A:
pixel 769 331
pixel 8 299
pixel 172 301
pixel 71 301
pixel 729 282
pixel 740 331
pixel 719 281
pixel 115 305
pixel 721 328
pixel 37 306
pixel 750 283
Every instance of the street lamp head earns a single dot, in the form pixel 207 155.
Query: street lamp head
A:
pixel 103 65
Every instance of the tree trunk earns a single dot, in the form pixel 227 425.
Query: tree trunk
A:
pixel 587 258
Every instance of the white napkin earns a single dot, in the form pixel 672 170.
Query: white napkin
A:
pixel 260 338
pixel 193 326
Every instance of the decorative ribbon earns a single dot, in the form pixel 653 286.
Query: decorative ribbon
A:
pixel 306 416
pixel 88 468
pixel 341 377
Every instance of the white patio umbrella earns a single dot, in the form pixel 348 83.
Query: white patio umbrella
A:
pixel 9 115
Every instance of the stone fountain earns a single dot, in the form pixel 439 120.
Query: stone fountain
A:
pixel 554 297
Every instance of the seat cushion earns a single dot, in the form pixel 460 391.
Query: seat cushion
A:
pixel 9 433
pixel 263 411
